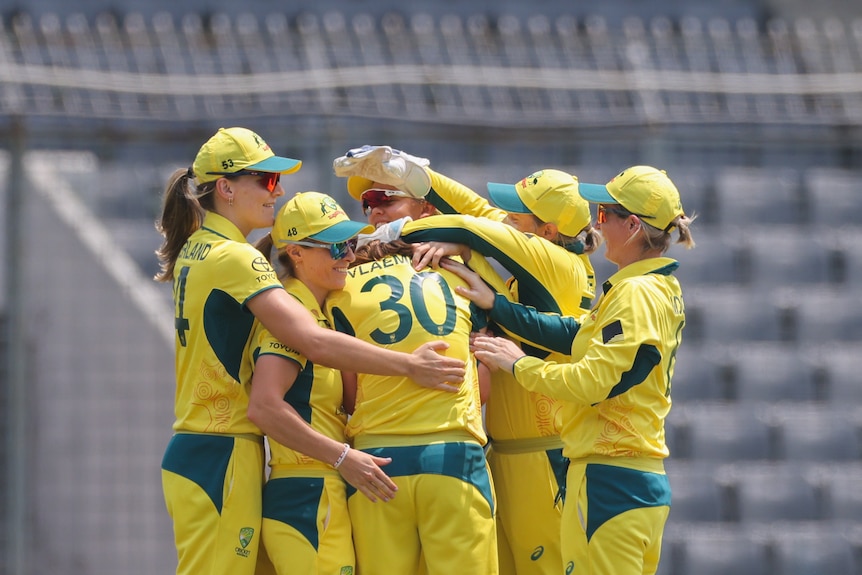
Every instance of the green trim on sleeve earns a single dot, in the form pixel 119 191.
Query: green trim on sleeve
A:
pixel 646 358
pixel 550 331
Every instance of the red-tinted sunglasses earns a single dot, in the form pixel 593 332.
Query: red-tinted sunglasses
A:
pixel 602 216
pixel 375 197
pixel 268 180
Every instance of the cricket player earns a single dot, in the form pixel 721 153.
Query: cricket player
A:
pixel 442 519
pixel 616 390
pixel 543 237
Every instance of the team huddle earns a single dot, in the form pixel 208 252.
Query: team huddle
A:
pixel 423 414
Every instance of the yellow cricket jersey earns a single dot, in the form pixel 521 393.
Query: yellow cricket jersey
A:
pixel 316 394
pixel 390 304
pixel 617 388
pixel 216 274
pixel 545 276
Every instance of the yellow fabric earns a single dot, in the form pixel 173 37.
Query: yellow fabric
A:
pixel 216 274
pixel 435 525
pixel 234 149
pixel 642 308
pixel 309 213
pixel 317 395
pixel 550 195
pixel 317 392
pixel 642 190
pixel 462 199
pixel 626 544
pixel 551 279
pixel 554 280
pixel 389 303
pixel 528 513
pixel 290 551
pixel 210 542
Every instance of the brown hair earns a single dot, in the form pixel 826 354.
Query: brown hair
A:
pixel 376 250
pixel 183 212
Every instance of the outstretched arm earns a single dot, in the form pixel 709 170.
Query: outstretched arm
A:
pixel 295 327
pixel 274 375
pixel 548 331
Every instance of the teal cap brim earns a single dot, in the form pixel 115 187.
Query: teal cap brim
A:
pixel 276 164
pixel 341 232
pixel 596 193
pixel 505 197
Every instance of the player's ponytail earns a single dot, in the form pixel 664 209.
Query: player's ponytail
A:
pixel 182 214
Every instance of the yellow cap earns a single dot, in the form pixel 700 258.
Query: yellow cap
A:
pixel 550 195
pixel 316 216
pixel 231 150
pixel 644 191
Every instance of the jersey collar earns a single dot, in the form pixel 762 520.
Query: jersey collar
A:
pixel 222 226
pixel 661 266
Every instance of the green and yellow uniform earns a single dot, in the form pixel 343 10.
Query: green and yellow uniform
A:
pixel 525 456
pixel 442 518
pixel 306 525
pixel 212 470
pixel 616 394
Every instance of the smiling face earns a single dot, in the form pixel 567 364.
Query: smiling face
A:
pixel 250 204
pixel 381 209
pixel 318 270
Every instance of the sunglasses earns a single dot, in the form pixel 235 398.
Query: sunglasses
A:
pixel 374 198
pixel 602 213
pixel 337 250
pixel 268 180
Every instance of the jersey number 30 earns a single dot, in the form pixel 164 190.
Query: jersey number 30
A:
pixel 418 303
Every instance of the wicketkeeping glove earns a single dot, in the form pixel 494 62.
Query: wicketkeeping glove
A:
pixel 385 233
pixel 386 165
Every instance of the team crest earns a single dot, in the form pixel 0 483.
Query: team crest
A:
pixel 346 570
pixel 245 536
pixel 329 206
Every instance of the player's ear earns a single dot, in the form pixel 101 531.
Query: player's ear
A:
pixel 548 231
pixel 428 209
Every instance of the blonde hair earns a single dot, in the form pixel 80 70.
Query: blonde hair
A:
pixel 589 237
pixel 655 238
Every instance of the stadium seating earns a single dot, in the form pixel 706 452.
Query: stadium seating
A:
pixel 816 432
pixel 844 483
pixel 721 432
pixel 758 196
pixel 764 432
pixel 767 492
pixel 701 373
pixel 839 366
pixel 833 197
pixel 727 313
pixel 811 548
pixel 716 550
pixel 698 495
pixel 824 315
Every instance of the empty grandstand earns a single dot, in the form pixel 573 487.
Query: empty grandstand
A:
pixel 755 113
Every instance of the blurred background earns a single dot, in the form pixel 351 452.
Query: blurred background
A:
pixel 754 108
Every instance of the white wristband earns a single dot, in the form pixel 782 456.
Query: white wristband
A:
pixel 341 457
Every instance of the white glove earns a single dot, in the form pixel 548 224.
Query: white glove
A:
pixel 385 233
pixel 388 166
